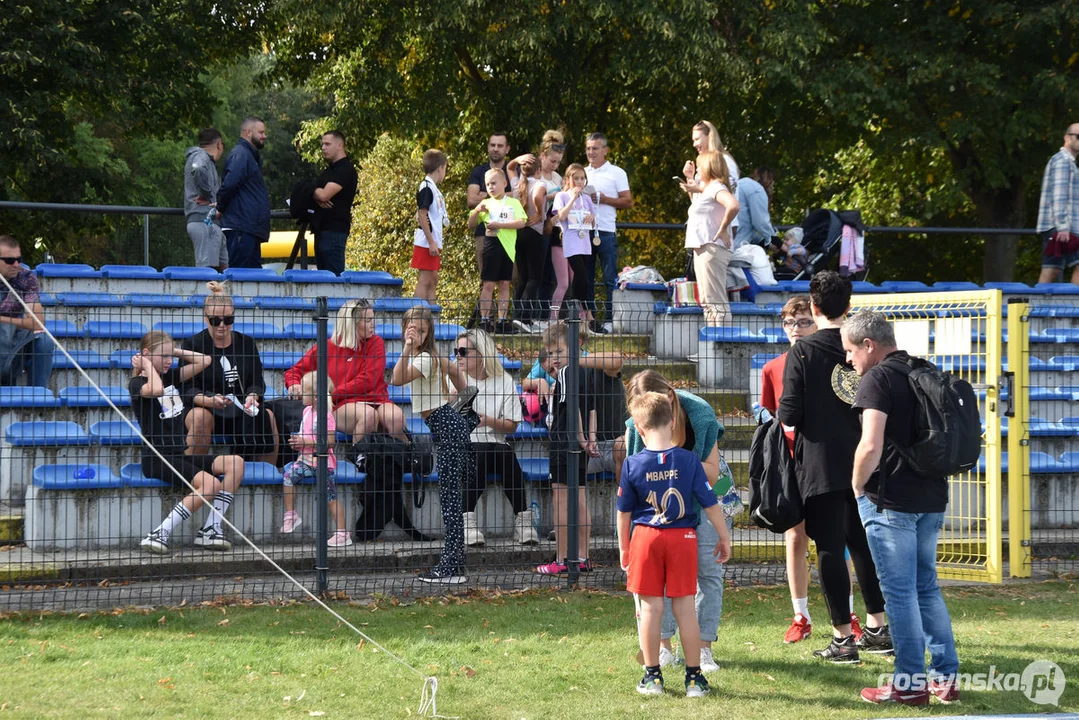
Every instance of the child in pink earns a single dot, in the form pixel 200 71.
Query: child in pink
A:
pixel 305 442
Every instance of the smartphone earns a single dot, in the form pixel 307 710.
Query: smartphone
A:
pixel 677 179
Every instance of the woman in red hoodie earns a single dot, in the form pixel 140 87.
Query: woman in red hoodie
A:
pixel 356 363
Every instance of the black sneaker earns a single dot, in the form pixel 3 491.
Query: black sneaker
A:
pixel 442 577
pixel 599 328
pixel 841 651
pixel 650 684
pixel 696 685
pixel 505 327
pixel 463 402
pixel 487 326
pixel 877 641
pixel 155 543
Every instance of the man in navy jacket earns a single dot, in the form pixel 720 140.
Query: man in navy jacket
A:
pixel 243 199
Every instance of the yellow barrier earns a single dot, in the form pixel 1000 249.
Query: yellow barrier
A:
pixel 1019 536
pixel 280 244
pixel 962 333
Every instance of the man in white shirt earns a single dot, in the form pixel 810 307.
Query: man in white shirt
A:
pixel 611 194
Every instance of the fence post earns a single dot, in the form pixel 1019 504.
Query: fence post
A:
pixel 146 239
pixel 322 409
pixel 573 461
pixel 1019 555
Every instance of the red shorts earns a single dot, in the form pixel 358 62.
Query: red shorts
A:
pixel 422 259
pixel 662 559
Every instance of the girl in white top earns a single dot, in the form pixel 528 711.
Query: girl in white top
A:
pixel 575 219
pixel 708 234
pixel 420 368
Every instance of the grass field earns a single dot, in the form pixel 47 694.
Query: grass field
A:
pixel 530 655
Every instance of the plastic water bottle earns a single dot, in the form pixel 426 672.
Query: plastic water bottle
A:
pixel 209 219
pixel 85 473
pixel 536 523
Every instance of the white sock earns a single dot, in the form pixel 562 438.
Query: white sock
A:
pixel 221 504
pixel 852 603
pixel 801 607
pixel 173 520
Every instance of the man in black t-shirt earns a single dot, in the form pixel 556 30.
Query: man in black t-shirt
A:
pixel 903 533
pixel 335 189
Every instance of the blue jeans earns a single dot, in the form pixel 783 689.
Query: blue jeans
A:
pixel 330 251
pixel 244 249
pixel 608 263
pixel 709 599
pixel 39 360
pixel 904 547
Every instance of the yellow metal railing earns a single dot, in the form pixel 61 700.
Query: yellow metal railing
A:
pixel 1019 537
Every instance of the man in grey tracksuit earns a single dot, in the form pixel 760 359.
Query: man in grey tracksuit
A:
pixel 201 183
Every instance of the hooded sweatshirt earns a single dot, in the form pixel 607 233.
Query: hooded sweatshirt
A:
pixel 200 181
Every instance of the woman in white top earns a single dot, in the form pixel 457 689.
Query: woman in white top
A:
pixel 708 234
pixel 499 408
pixel 421 369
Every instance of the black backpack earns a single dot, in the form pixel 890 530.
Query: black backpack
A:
pixel 775 502
pixel 947 429
pixel 301 204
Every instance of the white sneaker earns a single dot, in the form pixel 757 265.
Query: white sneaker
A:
pixel 472 534
pixel 708 663
pixel 609 327
pixel 539 326
pixel 666 657
pixel 524 532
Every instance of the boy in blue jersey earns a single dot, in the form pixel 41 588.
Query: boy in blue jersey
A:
pixel 658 495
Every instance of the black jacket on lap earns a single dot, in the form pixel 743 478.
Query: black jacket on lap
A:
pixel 818 390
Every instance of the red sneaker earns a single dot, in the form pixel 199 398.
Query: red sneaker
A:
pixel 799 630
pixel 944 691
pixel 889 694
pixel 855 627
pixel 552 568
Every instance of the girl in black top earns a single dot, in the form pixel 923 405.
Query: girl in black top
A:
pixel 159 407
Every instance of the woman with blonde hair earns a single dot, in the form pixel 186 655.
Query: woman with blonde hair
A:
pixel 712 209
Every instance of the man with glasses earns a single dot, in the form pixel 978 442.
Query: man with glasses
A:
pixel 1058 212
pixel 23 343
pixel 610 194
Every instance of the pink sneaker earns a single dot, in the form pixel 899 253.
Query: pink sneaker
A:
pixel 290 522
pixel 552 568
pixel 341 538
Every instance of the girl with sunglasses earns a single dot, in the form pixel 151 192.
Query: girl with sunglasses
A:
pixel 229 394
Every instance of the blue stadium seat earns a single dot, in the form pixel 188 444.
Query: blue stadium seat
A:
pixel 131 272
pixel 91 299
pixel 528 431
pixel 1008 287
pixel 370 277
pixel 85 358
pixel 400 304
pixel 800 287
pixel 261 473
pixel 448 331
pixel 432 478
pixel 903 286
pixel 240 302
pixel 1056 289
pixel 536 469
pixel 416 426
pixel 160 300
pixel 648 287
pixel 28 397
pixel 278 360
pixel 774 335
pixel 1070 421
pixel 305 331
pixel 949 286
pixel 1069 463
pixel 114 432
pixel 180 272
pixel 65 270
pixel 747 308
pixel 252 275
pixel 89 397
pixel 388 331
pixel 1062 334
pixel 400 394
pixel 306 276
pixel 759 360
pixel 1066 363
pixel 47 300
pixel 113 330
pixel 1035 364
pixel 261 330
pixel 781 286
pixel 180 329
pixel 346 474
pixel 958 363
pixel 684 310
pixel 1053 311
pixel 861 286
pixel 1049 394
pixel 286 303
pixel 131 476
pixel 729 335
pixel 48 432
pixel 71 476
pixel 1043 428
pixel 273 393
pixel 122 359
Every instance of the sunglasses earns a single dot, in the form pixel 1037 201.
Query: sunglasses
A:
pixel 215 320
pixel 800 324
pixel 462 351
pixel 11 261
pixel 558 147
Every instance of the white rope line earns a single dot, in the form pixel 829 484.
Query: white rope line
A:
pixel 430 682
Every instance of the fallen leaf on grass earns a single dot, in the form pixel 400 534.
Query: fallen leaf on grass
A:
pixel 316 713
pixel 161 620
pixel 224 622
pixel 469 672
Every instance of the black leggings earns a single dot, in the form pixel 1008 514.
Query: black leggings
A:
pixel 583 288
pixel 832 523
pixel 495 458
pixel 531 262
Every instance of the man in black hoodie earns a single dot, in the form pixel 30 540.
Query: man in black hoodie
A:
pixel 818 389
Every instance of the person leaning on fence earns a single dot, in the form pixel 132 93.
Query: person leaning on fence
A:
pixel 356 365
pixel 305 442
pixel 450 422
pixel 201 183
pixel 818 389
pixel 562 442
pixel 659 493
pixel 499 410
pixel 23 342
pixel 159 408
pixel 696 429
pixel 901 522
pixel 227 397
